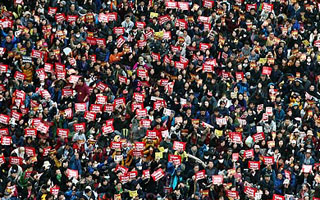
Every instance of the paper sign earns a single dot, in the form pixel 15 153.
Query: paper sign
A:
pixel 217 179
pixel 157 175
pixel 71 173
pixel 178 146
pixel 255 165
pixel 306 168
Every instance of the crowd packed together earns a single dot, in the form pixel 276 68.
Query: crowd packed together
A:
pixel 158 99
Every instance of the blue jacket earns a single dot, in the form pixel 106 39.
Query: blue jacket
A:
pixel 75 164
pixel 278 185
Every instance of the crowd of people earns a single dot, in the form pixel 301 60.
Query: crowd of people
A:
pixel 158 99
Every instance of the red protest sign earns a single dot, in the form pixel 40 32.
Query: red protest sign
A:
pixel 67 92
pixel 142 43
pixel 4 119
pixel 52 10
pixel 178 146
pixel 183 5
pixel 4 131
pixel 141 112
pixel 266 71
pixel 122 169
pixel 36 54
pixel 236 137
pixel 268 7
pixel 145 123
pixel 217 179
pixel 208 4
pixel 19 76
pixel 167 35
pixel 6 140
pixel 132 174
pixel 232 194
pixel 157 175
pixel 15 160
pixel 203 19
pixel 155 56
pixel 115 145
pixel 251 6
pixel 48 67
pixel 2 160
pixel 63 133
pixel 163 19
pixel 120 41
pixel 250 191
pixel 90 116
pixel 306 168
pixel 142 73
pixel 96 108
pixel 107 129
pixel 60 17
pixel 151 134
pixel 179 65
pixel 118 30
pixel 239 76
pixel 268 160
pixel 204 46
pixel 101 100
pixel 235 157
pixel 171 5
pixel 255 165
pixel 135 106
pixel 140 25
pixel 200 175
pixel 109 108
pixel 54 191
pixel 139 146
pixel 146 173
pixel 248 153
pixel 119 101
pixel 72 18
pixel 46 151
pixel 138 97
pixel 80 107
pixel 79 127
pixel 72 173
pixel 16 115
pixel 278 197
pixel 30 151
pixel 175 159
pixel 258 137
pixel 3 68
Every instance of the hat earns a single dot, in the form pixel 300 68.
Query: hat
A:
pixel 46 164
pixel 63 2
pixel 26 13
pixel 308 151
pixel 296 130
pixel 293 142
pixel 14 169
pixel 256 146
pixel 309 133
pixel 88 187
pixel 247 74
pixel 267 175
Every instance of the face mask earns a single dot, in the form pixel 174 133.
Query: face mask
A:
pixel 206 157
pixel 220 160
pixel 139 167
pixel 309 59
